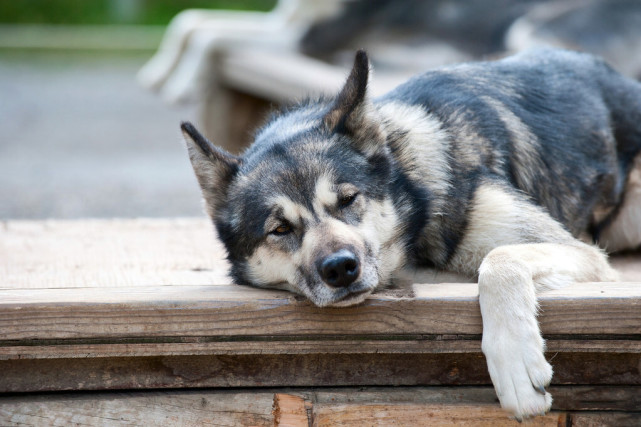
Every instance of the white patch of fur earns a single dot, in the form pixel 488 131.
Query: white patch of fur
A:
pixel 625 230
pixel 392 258
pixel 379 229
pixel 348 302
pixel 292 211
pixel 278 269
pixel 497 218
pixel 427 144
pixel 324 194
pixel 423 153
pixel 380 221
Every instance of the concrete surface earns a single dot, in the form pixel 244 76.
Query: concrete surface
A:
pixel 80 138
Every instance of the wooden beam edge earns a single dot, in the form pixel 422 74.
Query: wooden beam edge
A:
pixel 144 349
pixel 598 309
pixel 213 296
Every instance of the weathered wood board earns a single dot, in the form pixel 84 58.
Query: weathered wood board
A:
pixel 109 253
pixel 299 370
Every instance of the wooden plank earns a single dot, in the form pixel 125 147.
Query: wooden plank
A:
pixel 597 398
pixel 110 253
pixel 242 371
pixel 277 345
pixel 261 73
pixel 184 408
pixel 291 411
pixel 632 419
pixel 298 370
pixel 422 415
pixel 228 310
pixel 566 398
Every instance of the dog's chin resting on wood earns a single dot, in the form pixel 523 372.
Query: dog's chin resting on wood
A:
pixel 497 170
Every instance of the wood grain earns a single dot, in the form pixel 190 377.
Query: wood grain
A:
pixel 291 411
pixel 618 419
pixel 298 370
pixel 301 407
pixel 198 311
pixel 422 415
pixel 290 345
pixel 184 408
pixel 110 253
pixel 566 398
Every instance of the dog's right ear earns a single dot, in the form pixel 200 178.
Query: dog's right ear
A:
pixel 347 113
pixel 213 166
pixel 352 113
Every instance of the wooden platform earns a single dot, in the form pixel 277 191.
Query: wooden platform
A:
pixel 121 322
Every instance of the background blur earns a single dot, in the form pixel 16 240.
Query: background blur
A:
pixel 79 137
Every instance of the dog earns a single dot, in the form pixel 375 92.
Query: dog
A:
pixel 520 172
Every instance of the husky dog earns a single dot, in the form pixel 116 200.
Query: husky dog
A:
pixel 498 170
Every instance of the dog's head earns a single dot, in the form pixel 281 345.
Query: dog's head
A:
pixel 307 208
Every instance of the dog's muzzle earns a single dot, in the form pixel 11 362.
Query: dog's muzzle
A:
pixel 340 269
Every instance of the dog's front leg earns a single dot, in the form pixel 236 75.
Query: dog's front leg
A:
pixel 510 277
pixel 502 225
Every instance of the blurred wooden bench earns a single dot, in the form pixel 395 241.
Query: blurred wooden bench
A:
pixel 252 82
pixel 138 323
pixel 237 66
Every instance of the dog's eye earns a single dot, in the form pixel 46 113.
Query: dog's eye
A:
pixel 282 229
pixel 346 200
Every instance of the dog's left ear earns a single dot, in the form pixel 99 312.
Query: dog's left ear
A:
pixel 352 113
pixel 214 167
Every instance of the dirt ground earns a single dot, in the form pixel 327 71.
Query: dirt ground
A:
pixel 80 138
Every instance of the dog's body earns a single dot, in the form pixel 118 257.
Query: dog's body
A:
pixel 493 169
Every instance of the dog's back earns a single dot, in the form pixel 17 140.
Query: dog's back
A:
pixel 560 126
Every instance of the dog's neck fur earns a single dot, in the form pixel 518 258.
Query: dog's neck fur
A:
pixel 421 175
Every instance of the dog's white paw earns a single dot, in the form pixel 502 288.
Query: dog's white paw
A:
pixel 519 373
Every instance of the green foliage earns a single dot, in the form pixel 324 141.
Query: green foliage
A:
pixel 100 12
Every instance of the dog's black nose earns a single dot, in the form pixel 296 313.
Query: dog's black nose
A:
pixel 339 269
